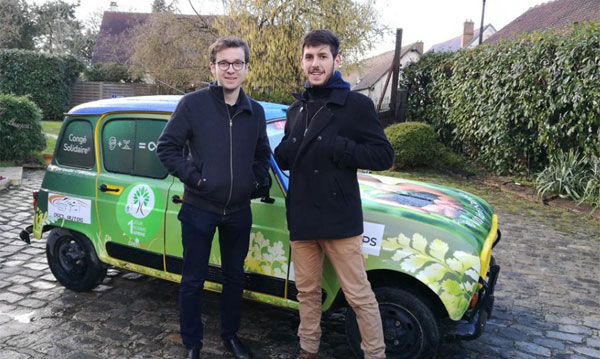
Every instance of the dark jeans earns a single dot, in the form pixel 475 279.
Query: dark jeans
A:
pixel 197 231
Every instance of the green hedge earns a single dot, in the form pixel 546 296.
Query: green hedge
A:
pixel 109 72
pixel 272 96
pixel 414 143
pixel 515 105
pixel 46 79
pixel 20 128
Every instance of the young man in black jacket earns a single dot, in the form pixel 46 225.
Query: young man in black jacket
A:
pixel 330 133
pixel 224 135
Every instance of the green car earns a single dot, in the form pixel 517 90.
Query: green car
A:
pixel 108 201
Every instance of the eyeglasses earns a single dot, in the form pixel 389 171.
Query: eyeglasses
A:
pixel 224 65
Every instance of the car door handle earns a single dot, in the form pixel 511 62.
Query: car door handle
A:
pixel 176 199
pixel 105 188
pixel 268 200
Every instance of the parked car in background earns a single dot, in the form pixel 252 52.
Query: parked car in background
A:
pixel 108 201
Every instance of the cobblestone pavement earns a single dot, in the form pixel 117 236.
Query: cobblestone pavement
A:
pixel 547 303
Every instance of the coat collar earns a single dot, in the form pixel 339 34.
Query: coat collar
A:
pixel 338 96
pixel 243 101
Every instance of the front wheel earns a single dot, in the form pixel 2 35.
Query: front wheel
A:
pixel 410 328
pixel 73 260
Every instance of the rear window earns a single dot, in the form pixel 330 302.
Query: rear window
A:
pixel 76 148
pixel 129 147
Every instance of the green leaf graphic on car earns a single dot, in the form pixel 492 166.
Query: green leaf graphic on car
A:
pixel 453 275
pixel 265 258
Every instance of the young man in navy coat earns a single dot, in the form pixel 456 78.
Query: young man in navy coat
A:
pixel 224 133
pixel 330 133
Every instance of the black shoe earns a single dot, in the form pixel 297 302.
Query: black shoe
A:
pixel 237 348
pixel 193 353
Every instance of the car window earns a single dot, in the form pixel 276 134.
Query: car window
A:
pixel 129 147
pixel 76 148
pixel 275 132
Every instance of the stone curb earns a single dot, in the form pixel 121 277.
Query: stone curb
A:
pixel 11 176
pixel 4 182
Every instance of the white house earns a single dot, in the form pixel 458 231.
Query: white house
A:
pixel 370 78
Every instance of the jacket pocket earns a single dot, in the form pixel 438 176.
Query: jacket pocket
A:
pixel 201 179
pixel 338 191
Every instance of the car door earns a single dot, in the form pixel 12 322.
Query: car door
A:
pixel 132 189
pixel 267 262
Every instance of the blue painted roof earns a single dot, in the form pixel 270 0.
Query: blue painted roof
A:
pixel 165 103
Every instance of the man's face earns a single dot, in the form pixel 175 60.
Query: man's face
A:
pixel 318 64
pixel 230 79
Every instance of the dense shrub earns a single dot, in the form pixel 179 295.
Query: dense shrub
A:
pixel 20 128
pixel 109 72
pixel 272 96
pixel 515 105
pixel 591 192
pixel 46 79
pixel 571 175
pixel 415 144
pixel 419 78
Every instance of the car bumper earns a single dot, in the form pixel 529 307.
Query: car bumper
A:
pixel 25 234
pixel 472 325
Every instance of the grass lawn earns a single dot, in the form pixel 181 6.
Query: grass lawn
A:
pixel 50 144
pixel 52 127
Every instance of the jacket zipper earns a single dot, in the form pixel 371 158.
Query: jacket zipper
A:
pixel 230 158
pixel 312 118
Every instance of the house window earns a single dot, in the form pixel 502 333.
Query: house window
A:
pixel 76 148
pixel 129 147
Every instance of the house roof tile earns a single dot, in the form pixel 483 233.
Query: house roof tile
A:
pixel 454 43
pixel 115 33
pixel 553 14
pixel 377 66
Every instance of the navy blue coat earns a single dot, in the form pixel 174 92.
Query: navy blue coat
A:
pixel 323 200
pixel 228 154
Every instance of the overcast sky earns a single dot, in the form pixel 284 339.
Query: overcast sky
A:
pixel 430 21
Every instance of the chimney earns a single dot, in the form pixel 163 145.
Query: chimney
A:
pixel 113 6
pixel 419 46
pixel 467 35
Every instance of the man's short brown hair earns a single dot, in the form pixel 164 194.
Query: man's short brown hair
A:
pixel 321 37
pixel 227 42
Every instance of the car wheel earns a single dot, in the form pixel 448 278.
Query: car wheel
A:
pixel 410 327
pixel 73 260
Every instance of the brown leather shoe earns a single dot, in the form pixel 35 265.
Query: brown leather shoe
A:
pixel 303 354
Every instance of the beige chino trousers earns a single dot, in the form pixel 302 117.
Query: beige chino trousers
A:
pixel 349 264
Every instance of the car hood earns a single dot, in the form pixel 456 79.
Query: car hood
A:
pixel 452 210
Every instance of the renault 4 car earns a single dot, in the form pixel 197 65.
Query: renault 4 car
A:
pixel 108 201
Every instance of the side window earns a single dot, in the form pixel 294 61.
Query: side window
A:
pixel 76 148
pixel 129 147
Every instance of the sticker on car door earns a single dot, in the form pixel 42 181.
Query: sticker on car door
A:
pixel 70 208
pixel 372 238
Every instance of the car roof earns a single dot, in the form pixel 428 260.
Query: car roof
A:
pixel 161 103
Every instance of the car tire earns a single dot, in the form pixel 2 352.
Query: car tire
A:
pixel 73 260
pixel 410 327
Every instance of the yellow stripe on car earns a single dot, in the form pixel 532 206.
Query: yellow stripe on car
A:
pixel 486 251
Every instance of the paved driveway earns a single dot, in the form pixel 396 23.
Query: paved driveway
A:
pixel 547 306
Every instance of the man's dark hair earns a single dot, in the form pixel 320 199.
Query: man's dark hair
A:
pixel 321 37
pixel 227 42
